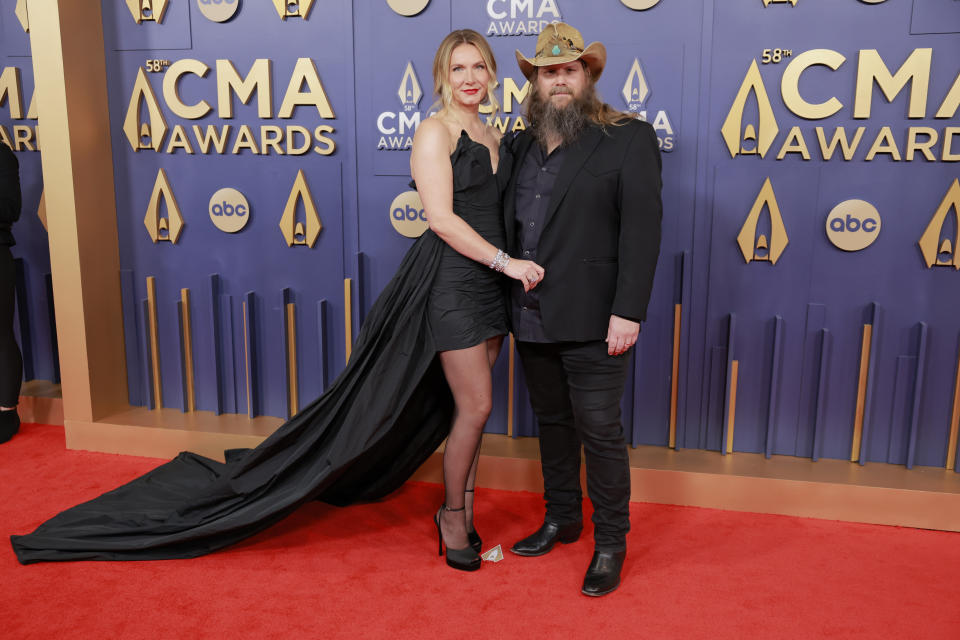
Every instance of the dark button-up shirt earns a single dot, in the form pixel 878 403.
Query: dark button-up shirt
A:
pixel 535 184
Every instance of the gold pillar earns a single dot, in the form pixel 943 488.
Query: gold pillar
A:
pixel 66 38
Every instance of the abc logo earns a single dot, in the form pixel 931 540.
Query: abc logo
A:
pixel 640 5
pixel 408 7
pixel 853 225
pixel 407 216
pixel 218 10
pixel 229 210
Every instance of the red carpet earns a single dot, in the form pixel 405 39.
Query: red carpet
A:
pixel 370 572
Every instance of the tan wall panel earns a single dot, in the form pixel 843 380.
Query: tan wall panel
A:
pixel 70 72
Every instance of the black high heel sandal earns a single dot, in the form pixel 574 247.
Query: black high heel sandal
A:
pixel 465 559
pixel 472 536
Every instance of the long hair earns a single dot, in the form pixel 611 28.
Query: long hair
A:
pixel 441 65
pixel 598 111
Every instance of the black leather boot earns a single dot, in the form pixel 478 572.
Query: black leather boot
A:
pixel 603 575
pixel 546 536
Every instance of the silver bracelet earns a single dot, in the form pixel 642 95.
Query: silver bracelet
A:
pixel 500 261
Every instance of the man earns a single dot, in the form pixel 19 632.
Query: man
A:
pixel 584 203
pixel 11 364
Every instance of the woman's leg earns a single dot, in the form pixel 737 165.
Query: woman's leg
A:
pixel 493 350
pixel 468 374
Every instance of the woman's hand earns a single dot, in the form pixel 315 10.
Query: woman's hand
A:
pixel 526 271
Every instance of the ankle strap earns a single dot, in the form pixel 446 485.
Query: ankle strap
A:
pixel 446 508
pixel 468 490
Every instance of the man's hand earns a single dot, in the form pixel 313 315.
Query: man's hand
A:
pixel 621 335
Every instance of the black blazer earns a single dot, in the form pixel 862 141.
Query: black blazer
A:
pixel 601 235
pixel 9 193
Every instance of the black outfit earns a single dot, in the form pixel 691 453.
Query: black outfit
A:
pixel 377 423
pixel 11 362
pixel 466 301
pixel 598 239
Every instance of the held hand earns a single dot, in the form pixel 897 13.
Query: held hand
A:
pixel 527 272
pixel 621 335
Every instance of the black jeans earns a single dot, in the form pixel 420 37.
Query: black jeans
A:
pixel 575 389
pixel 11 362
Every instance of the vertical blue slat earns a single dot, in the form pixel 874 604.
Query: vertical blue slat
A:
pixel 774 394
pixel 54 343
pixel 23 316
pixel 233 398
pixel 899 439
pixel 825 341
pixel 812 345
pixel 128 300
pixel 322 349
pixel 359 290
pixel 182 369
pixel 679 298
pixel 871 382
pixel 253 409
pixel 286 297
pixel 216 336
pixel 917 392
pixel 146 358
pixel 731 335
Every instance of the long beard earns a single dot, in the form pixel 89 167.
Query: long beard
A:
pixel 551 122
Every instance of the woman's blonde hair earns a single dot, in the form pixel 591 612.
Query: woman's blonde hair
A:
pixel 441 65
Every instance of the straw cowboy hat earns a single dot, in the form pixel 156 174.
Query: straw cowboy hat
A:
pixel 559 43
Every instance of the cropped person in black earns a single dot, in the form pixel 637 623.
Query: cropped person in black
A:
pixel 11 362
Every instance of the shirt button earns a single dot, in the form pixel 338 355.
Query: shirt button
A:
pixel 537 196
pixel 543 169
pixel 523 308
pixel 531 224
pixel 526 253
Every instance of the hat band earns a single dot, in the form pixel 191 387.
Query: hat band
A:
pixel 556 51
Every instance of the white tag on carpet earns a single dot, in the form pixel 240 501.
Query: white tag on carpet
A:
pixel 494 555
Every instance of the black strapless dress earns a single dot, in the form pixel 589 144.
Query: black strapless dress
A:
pixel 376 424
pixel 467 303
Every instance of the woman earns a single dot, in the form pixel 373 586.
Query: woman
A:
pixel 389 409
pixel 454 163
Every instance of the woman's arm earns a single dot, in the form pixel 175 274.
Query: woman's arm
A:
pixel 431 170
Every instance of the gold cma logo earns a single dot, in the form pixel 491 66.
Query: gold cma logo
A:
pixel 147 10
pixel 939 251
pixel 300 232
pixel 767 3
pixel 409 91
pixel 754 246
pixel 142 135
pixel 293 8
pixel 21 12
pixel 635 89
pixel 163 228
pixel 750 139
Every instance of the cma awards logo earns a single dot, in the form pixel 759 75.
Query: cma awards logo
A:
pixel 145 123
pixel 163 221
pixel 21 12
pixel 938 246
pixel 756 134
pixel 147 10
pixel 520 17
pixel 754 243
pixel 300 225
pixel 635 92
pixel 397 128
pixel 293 8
